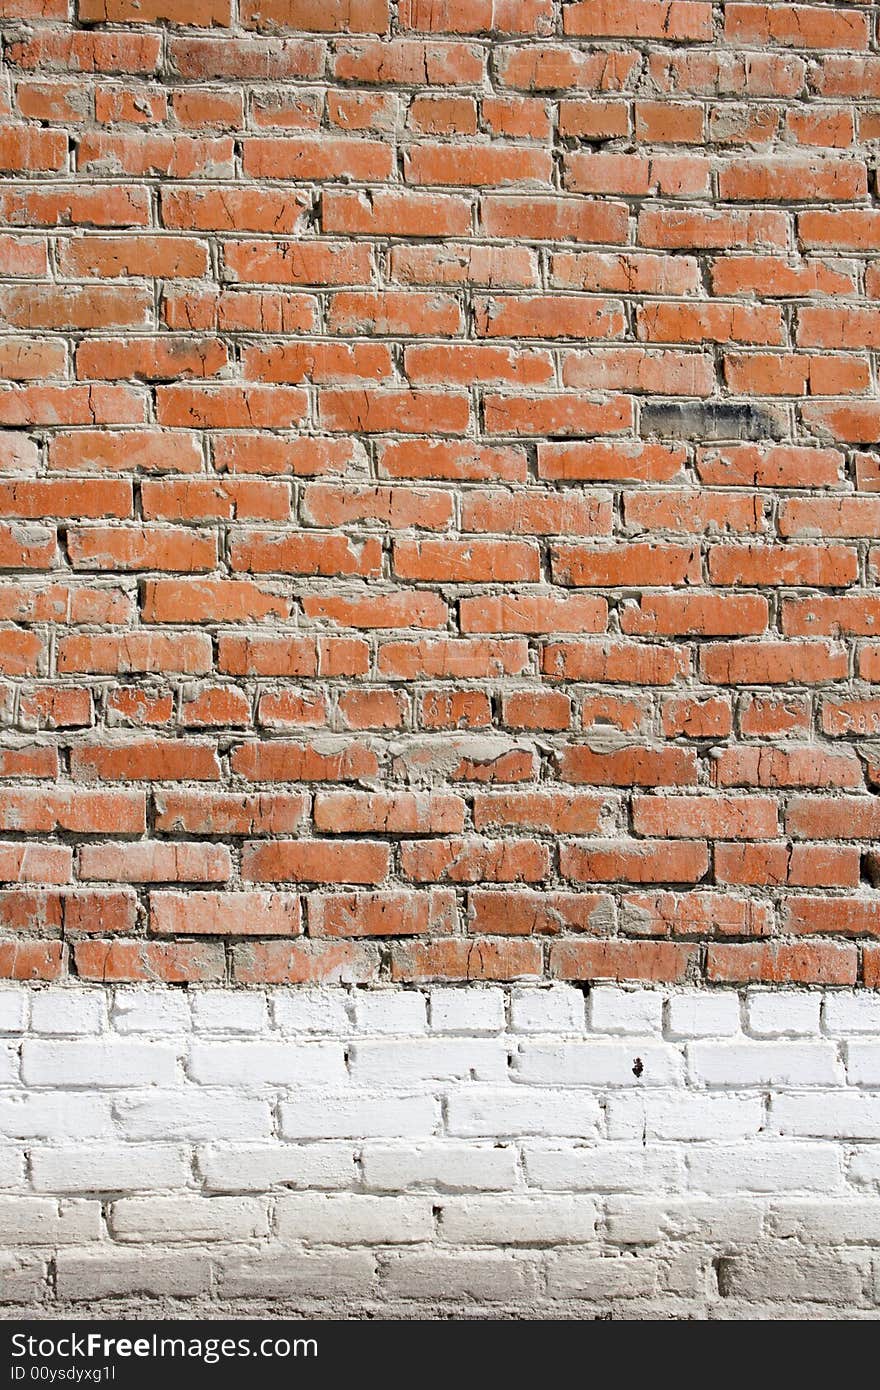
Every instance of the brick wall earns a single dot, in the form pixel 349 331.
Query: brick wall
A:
pixel 437 491
pixel 391 1152
pixel 439 495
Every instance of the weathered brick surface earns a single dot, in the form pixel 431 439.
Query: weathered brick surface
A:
pixel 556 1152
pixel 439 492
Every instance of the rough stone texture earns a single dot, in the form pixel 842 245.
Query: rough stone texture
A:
pixel 638 1151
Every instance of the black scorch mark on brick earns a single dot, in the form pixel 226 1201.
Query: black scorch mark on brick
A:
pixel 710 420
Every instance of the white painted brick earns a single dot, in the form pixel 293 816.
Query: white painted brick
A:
pixel 8 1064
pixel 410 1062
pixel 492 1277
pixel 311 1011
pixel 683 1115
pixel 467 1010
pixel 259 1167
pixel 575 1275
pixel 820 1278
pixel 352 1219
pixel 359 1115
pixel 785 1013
pixel 844 1011
pixel 704 1015
pixel 445 1166
pixel 71 1011
pixel 558 1009
pixel 11 1166
pixel 764 1064
pixel 46 1221
pixel 690 1273
pixel 450 1148
pixel 390 1011
pixel 864 1166
pixel 634 1220
pixel 816 1222
pixel 191 1114
pixel 22 1278
pixel 603 1168
pixel 194 1218
pixel 54 1115
pixel 765 1167
pixel 256 1064
pixel 510 1111
pixel 863 1063
pixel 144 1010
pixel 110 1168
pixel 108 1063
pixel 14 1009
pixel 115 1272
pixel 229 1011
pixel 838 1114
pixel 613 1010
pixel 518 1220
pixel 279 1273
pixel 638 1062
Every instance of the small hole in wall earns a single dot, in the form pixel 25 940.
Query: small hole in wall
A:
pixel 638 1067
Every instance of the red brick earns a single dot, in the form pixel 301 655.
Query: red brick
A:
pixel 542 709
pixel 795 179
pixel 382 914
pixel 554 219
pixel 635 861
pixel 79 810
pixel 708 716
pixel 797 766
pixel 524 613
pixel 305 962
pixel 201 913
pixel 472 860
pixel 773 663
pixel 620 960
pixel 625 662
pixel 289 709
pixel 825 964
pixel 466 960
pixel 146 760
pixel 395 213
pixel 188 653
pixel 822 866
pixel 629 766
pixel 228 813
pixel 322 16
pixel 551 67
pixel 698 913
pixel 727 817
pixel 831 565
pixel 625 564
pixel 801 26
pixel 629 714
pixel 142 961
pixel 563 812
pixel 373 709
pixel 278 761
pixel 775 715
pixel 31 960
pixel 315 861
pixel 141 547
pixel 99 911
